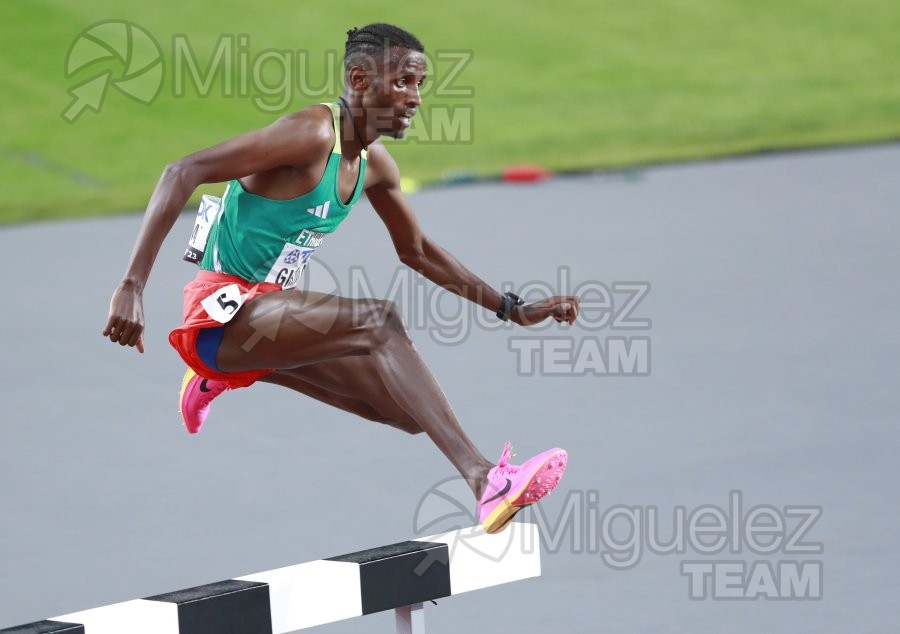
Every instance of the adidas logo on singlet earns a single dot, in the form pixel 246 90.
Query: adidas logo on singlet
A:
pixel 320 210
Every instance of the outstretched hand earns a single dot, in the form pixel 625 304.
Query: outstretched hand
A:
pixel 562 308
pixel 125 325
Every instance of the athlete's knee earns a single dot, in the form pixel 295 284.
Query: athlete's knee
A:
pixel 393 317
pixel 388 314
pixel 384 318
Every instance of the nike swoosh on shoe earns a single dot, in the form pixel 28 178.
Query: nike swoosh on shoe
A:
pixel 505 490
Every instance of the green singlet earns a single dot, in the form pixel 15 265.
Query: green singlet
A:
pixel 265 240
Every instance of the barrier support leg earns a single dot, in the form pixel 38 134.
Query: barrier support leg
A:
pixel 410 619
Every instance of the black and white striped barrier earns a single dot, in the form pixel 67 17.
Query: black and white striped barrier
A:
pixel 399 576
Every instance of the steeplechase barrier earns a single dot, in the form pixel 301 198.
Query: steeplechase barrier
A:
pixel 400 577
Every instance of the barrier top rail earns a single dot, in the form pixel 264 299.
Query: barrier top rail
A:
pixel 398 576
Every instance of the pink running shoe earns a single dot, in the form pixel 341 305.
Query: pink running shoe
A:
pixel 196 395
pixel 512 488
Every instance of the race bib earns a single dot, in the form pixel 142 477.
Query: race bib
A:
pixel 224 303
pixel 289 266
pixel 207 213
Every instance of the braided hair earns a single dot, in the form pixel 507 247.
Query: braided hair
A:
pixel 364 44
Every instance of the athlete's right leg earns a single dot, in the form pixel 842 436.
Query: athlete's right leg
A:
pixel 292 330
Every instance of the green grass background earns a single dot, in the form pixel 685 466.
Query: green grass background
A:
pixel 579 84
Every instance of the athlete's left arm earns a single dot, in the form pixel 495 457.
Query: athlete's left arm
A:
pixel 421 253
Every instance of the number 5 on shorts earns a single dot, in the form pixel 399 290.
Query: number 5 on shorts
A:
pixel 224 303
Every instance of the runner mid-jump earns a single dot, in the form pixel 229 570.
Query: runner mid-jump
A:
pixel 289 185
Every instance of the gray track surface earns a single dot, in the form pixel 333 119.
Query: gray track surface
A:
pixel 774 341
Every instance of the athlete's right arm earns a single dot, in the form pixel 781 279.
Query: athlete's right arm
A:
pixel 295 140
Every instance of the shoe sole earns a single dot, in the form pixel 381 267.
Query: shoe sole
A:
pixel 501 516
pixel 189 374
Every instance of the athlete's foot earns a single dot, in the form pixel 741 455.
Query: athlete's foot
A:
pixel 196 395
pixel 511 488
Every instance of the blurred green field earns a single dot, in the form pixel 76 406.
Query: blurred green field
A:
pixel 582 84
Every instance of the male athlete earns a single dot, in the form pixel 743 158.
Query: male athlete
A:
pixel 289 185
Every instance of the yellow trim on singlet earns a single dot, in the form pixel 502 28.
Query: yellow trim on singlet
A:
pixel 336 118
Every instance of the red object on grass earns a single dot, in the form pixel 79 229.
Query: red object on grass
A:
pixel 525 174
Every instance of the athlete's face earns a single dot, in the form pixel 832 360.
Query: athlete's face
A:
pixel 395 91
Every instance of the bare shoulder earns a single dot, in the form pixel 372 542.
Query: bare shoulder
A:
pixel 381 168
pixel 310 128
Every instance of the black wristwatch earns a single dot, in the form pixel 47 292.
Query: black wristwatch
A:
pixel 509 300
